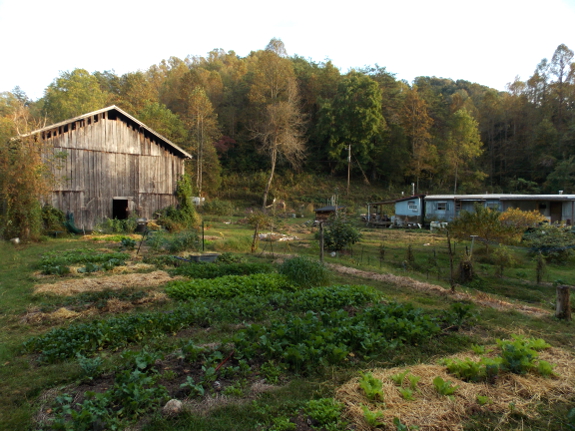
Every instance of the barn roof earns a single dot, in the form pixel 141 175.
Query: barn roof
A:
pixel 166 141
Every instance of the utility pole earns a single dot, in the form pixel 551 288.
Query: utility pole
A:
pixel 348 167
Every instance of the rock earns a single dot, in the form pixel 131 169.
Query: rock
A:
pixel 15 241
pixel 172 408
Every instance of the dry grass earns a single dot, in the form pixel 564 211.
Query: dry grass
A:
pixel 432 411
pixel 74 286
pixel 409 283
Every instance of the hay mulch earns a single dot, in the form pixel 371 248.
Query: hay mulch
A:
pixel 35 316
pixel 407 282
pixel 432 411
pixel 74 286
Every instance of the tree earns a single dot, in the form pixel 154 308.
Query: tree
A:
pixel 417 125
pixel 201 121
pixel 279 125
pixel 353 120
pixel 73 94
pixel 464 144
pixel 25 177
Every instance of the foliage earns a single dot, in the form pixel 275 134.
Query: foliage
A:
pixel 305 272
pixel 398 378
pixel 443 387
pixel 520 220
pixel 114 225
pixel 325 412
pixel 504 258
pixel 555 243
pixel 372 418
pixel 183 217
pixel 372 387
pixel 406 393
pixel 339 233
pixel 59 263
pixel 128 243
pixel 173 243
pixel 483 222
pixel 52 219
pixel 90 366
pixel 228 286
pixel 217 269
pixel 218 207
pixel 399 426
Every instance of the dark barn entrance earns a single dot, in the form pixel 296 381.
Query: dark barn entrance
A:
pixel 120 209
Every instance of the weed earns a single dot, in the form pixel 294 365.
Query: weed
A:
pixel 305 272
pixel 195 389
pixel 399 426
pixel 326 413
pixel 483 400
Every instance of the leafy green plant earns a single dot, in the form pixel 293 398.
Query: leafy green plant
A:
pixel 406 393
pixel 372 418
pixel 413 381
pixel 372 387
pixel 461 314
pixel 305 272
pixel 399 426
pixel 218 269
pixel 128 243
pixel 271 372
pixel 483 400
pixel 339 233
pixel 218 207
pixel 91 367
pixel 399 377
pixel 195 389
pixel 326 413
pixel 545 368
pixel 444 388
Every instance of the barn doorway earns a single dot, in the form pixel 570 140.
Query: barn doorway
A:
pixel 120 209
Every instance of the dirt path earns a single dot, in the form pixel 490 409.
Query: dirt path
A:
pixel 409 283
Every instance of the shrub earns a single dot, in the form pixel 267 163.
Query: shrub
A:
pixel 173 243
pixel 553 242
pixel 52 219
pixel 218 207
pixel 305 272
pixel 339 234
pixel 114 225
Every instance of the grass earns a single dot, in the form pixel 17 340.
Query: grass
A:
pixel 23 382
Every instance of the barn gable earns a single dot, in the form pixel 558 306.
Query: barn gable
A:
pixel 113 165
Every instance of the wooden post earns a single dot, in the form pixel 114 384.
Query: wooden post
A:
pixel 451 280
pixel 321 251
pixel 563 310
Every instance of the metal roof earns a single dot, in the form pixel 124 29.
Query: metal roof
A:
pixel 120 111
pixel 504 197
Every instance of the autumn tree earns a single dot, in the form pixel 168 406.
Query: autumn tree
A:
pixel 73 94
pixel 464 145
pixel 417 125
pixel 279 125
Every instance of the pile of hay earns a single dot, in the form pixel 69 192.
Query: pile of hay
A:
pixel 432 411
pixel 70 287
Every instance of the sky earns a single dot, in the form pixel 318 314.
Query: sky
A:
pixel 489 42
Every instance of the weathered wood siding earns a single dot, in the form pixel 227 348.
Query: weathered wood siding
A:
pixel 109 156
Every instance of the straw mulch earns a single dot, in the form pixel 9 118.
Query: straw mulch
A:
pixel 483 299
pixel 114 305
pixel 432 411
pixel 74 286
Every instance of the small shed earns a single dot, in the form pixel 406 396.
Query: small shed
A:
pixel 113 166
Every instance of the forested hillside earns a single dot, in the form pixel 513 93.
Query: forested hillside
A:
pixel 271 111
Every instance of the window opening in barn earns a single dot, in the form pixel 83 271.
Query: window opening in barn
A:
pixel 120 209
pixel 96 118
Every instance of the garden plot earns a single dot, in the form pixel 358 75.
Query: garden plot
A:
pixel 510 394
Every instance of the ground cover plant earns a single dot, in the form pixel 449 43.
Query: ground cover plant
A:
pixel 216 349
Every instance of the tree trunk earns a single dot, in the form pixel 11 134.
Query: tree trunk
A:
pixel 269 184
pixel 563 310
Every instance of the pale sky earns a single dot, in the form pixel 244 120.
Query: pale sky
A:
pixel 488 42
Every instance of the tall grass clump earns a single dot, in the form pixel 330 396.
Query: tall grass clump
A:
pixel 305 272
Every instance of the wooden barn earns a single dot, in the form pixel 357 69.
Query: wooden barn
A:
pixel 113 166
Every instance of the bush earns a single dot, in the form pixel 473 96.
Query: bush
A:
pixel 553 242
pixel 113 225
pixel 305 272
pixel 52 219
pixel 218 207
pixel 339 233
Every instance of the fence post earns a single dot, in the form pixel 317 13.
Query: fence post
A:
pixel 563 309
